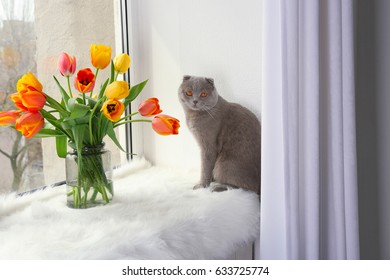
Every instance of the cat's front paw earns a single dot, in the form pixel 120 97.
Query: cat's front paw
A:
pixel 199 186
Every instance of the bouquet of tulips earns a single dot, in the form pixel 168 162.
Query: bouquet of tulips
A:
pixel 81 118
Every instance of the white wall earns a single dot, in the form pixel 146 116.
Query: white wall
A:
pixel 219 39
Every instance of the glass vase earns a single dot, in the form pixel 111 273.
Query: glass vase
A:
pixel 89 177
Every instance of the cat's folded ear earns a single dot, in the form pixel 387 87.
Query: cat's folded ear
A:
pixel 186 77
pixel 210 81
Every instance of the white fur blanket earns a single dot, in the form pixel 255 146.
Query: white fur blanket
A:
pixel 155 214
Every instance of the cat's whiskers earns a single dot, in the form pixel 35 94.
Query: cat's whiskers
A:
pixel 209 110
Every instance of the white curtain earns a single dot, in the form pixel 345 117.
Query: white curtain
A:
pixel 309 181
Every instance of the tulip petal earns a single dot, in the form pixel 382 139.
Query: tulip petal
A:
pixel 30 124
pixel 100 56
pixel 149 107
pixel 121 63
pixel 165 125
pixel 9 118
pixel 33 100
pixel 66 64
pixel 117 90
pixel 113 109
pixel 84 81
pixel 28 80
pixel 30 96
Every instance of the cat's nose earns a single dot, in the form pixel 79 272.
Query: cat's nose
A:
pixel 195 102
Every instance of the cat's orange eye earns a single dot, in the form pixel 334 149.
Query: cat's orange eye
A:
pixel 203 94
pixel 189 93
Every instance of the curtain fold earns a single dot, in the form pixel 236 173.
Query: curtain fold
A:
pixel 309 186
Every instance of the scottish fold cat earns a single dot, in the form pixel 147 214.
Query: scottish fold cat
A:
pixel 228 134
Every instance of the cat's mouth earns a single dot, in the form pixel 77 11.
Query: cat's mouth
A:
pixel 196 107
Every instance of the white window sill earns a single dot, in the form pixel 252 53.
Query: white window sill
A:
pixel 155 214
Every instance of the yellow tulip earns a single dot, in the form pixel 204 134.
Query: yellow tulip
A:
pixel 100 56
pixel 122 63
pixel 28 82
pixel 113 109
pixel 117 90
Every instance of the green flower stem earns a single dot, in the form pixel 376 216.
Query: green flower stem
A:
pixel 96 74
pixel 130 121
pixel 54 104
pixel 51 119
pixel 69 87
pixel 91 118
pixel 128 116
pixel 92 182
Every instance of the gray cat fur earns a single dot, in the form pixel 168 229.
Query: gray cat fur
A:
pixel 228 134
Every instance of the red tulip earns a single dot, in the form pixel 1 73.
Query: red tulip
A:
pixel 29 124
pixel 66 64
pixel 9 118
pixel 149 107
pixel 84 81
pixel 165 125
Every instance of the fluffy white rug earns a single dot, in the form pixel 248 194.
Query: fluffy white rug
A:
pixel 155 214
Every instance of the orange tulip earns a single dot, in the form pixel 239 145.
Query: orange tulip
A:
pixel 165 125
pixel 31 101
pixel 29 96
pixel 9 118
pixel 113 109
pixel 84 81
pixel 149 107
pixel 30 124
pixel 66 64
pixel 117 90
pixel 100 56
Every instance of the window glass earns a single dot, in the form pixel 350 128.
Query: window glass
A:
pixel 21 158
pixel 31 39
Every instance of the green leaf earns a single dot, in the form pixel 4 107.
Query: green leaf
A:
pixel 71 104
pixel 91 116
pixel 134 92
pixel 103 89
pixel 61 146
pixel 79 111
pixel 64 94
pixel 52 103
pixel 111 134
pixel 48 132
pixel 91 102
pixel 104 122
pixel 78 133
pixel 47 115
pixel 112 76
pixel 69 123
pixel 54 122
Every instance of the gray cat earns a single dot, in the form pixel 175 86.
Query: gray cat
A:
pixel 228 135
